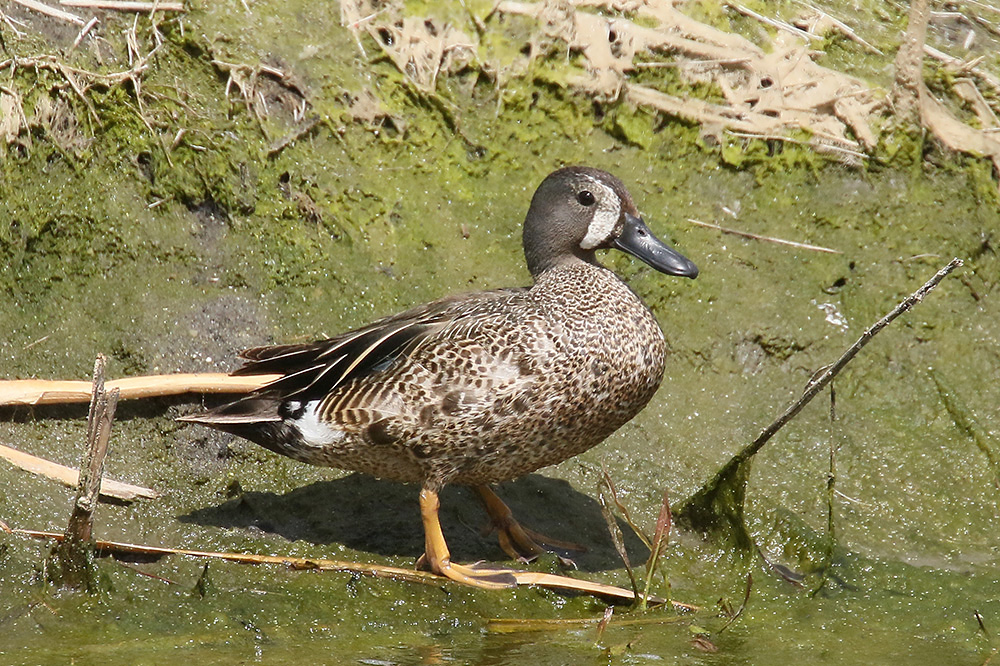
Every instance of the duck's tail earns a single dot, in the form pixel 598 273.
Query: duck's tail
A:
pixel 255 418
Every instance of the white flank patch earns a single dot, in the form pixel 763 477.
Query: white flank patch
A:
pixel 315 432
pixel 605 217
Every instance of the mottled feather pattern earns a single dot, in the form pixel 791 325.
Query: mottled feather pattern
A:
pixel 315 369
pixel 524 379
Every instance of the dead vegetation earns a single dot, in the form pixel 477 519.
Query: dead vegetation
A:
pixel 774 93
pixel 422 48
pixel 915 103
pixel 778 92
pixel 70 564
pixel 269 94
pixel 53 111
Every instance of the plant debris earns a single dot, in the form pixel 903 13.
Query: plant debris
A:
pixel 71 559
pixel 717 508
pixel 70 476
pixel 528 578
pixel 772 93
pixel 59 392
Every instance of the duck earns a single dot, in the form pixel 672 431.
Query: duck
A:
pixel 479 388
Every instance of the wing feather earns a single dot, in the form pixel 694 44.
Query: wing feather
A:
pixel 313 370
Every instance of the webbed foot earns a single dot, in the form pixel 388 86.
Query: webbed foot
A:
pixel 519 542
pixel 437 558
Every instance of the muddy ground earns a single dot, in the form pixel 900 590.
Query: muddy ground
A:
pixel 273 176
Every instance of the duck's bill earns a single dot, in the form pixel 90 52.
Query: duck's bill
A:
pixel 637 240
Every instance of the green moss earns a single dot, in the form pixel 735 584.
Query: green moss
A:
pixel 171 253
pixel 768 158
pixel 630 125
pixel 711 12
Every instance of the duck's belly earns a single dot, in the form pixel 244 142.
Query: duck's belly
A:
pixel 560 417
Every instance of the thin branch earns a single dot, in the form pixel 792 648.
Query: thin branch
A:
pixel 70 476
pixel 720 501
pixel 692 63
pixel 54 12
pixel 550 581
pixel 126 5
pixel 774 23
pixel 13 24
pixel 843 27
pixel 73 555
pixel 820 382
pixel 816 132
pixel 57 392
pixel 83 32
pixel 75 85
pixel 119 547
pixel 982 5
pixel 769 239
pixel 971 66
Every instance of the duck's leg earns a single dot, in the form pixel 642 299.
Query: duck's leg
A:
pixel 517 541
pixel 438 559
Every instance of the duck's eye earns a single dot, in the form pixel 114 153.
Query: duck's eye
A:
pixel 586 198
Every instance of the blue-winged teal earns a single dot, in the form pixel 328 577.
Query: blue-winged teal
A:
pixel 479 388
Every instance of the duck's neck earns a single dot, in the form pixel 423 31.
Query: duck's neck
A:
pixel 539 266
pixel 589 278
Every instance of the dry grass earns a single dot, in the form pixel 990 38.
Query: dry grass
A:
pixel 771 94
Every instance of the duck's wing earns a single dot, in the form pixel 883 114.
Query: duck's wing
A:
pixel 314 369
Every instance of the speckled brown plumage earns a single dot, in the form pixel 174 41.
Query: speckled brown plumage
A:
pixel 480 388
pixel 512 382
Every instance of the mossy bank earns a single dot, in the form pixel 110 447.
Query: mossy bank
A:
pixel 268 178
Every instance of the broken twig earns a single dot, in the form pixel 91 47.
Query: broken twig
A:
pixel 719 503
pixel 769 239
pixel 70 476
pixel 54 12
pixel 74 554
pixel 126 5
pixel 550 581
pixel 57 392
pixel 774 23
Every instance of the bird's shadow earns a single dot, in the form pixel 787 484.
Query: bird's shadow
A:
pixel 384 518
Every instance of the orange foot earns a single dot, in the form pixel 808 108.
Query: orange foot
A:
pixel 519 542
pixel 437 558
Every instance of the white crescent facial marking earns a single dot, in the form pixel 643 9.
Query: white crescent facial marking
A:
pixel 609 208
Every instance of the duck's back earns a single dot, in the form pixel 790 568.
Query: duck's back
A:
pixel 511 383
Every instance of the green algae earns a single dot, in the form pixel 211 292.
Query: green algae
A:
pixel 171 258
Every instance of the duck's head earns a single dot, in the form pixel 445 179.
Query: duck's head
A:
pixel 578 210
